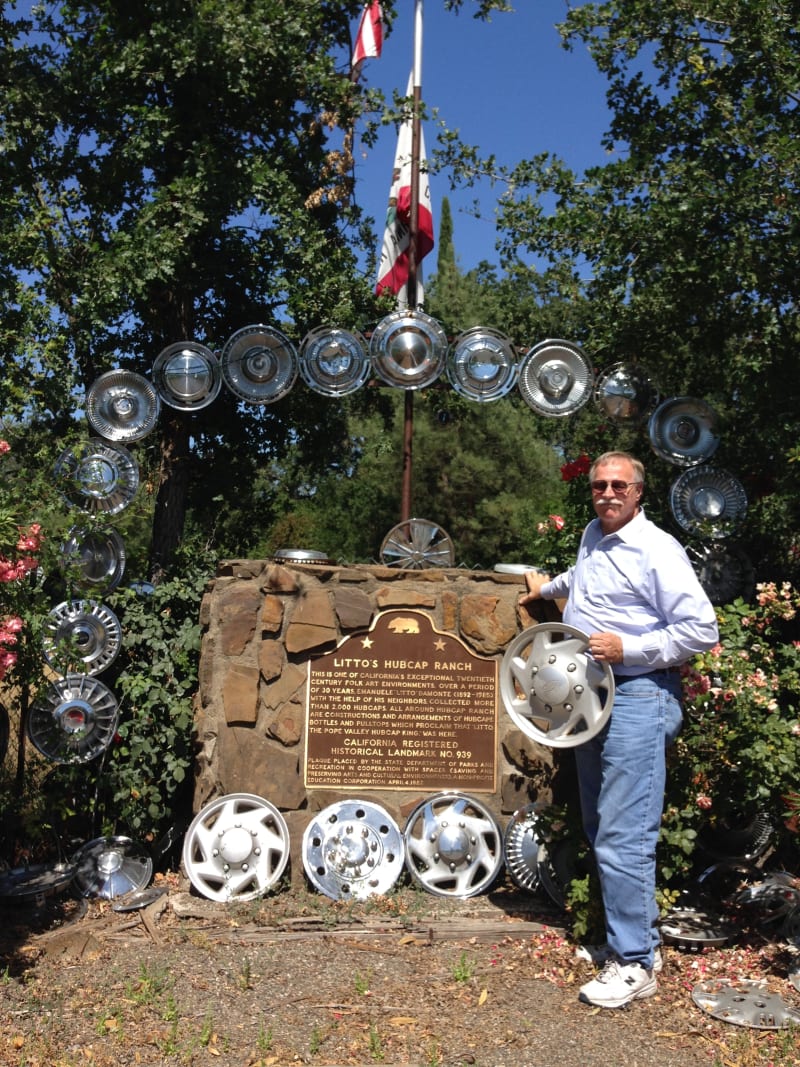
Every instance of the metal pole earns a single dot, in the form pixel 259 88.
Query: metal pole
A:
pixel 413 246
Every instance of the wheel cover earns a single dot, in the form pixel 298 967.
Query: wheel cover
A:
pixel 416 545
pixel 745 1002
pixel 738 837
pixel 708 502
pixel 81 634
pixel 724 571
pixel 334 362
pixel 187 376
pixel 40 880
pixel 97 476
pixel 552 689
pixel 236 847
pixel 684 430
pixel 774 898
pixel 558 868
pixel 521 846
pixel 625 393
pixel 694 929
pixel 122 406
pixel 481 364
pixel 408 349
pixel 259 364
pixel 353 849
pixel 453 845
pixel 109 867
pixel 720 884
pixel 94 559
pixel 75 720
pixel 555 378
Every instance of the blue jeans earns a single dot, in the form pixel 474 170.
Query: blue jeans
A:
pixel 622 775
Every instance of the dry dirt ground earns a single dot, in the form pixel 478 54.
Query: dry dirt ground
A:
pixel 408 978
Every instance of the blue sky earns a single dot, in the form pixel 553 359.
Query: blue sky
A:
pixel 508 86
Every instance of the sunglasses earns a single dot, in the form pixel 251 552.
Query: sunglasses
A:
pixel 620 488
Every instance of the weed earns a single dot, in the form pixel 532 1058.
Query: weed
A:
pixel 244 979
pixel 463 968
pixel 315 1041
pixel 265 1039
pixel 207 1031
pixel 361 982
pixel 169 1046
pixel 149 985
pixel 198 938
pixel 434 1056
pixel 106 1024
pixel 376 1045
pixel 776 1048
pixel 170 1013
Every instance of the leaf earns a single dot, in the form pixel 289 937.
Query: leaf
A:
pixel 412 939
pixel 482 997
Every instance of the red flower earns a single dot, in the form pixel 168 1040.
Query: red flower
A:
pixel 576 467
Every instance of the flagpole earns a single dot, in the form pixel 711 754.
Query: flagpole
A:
pixel 408 414
pixel 413 249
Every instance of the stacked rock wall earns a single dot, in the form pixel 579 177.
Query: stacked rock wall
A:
pixel 262 623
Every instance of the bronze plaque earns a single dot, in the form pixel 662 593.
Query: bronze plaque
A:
pixel 402 706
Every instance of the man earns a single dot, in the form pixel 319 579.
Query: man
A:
pixel 633 591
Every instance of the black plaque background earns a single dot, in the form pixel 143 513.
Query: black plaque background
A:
pixel 402 707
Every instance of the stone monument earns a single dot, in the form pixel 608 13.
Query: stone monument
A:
pixel 321 682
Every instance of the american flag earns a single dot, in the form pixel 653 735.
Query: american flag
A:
pixel 369 37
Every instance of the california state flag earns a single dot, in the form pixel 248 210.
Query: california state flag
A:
pixel 393 268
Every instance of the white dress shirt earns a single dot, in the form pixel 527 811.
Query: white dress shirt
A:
pixel 638 583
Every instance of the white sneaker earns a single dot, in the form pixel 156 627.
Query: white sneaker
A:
pixel 617 984
pixel 600 954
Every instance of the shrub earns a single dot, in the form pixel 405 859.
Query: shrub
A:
pixel 149 766
pixel 738 755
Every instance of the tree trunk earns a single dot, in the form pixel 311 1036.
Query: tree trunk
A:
pixel 173 483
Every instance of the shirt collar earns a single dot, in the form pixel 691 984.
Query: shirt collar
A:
pixel 629 532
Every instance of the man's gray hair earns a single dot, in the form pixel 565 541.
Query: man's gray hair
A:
pixel 638 466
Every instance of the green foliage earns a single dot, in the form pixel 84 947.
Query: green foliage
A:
pixel 148 772
pixel 464 968
pixel 682 248
pixel 584 906
pixel 738 755
pixel 475 469
pixel 173 172
pixel 26 551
